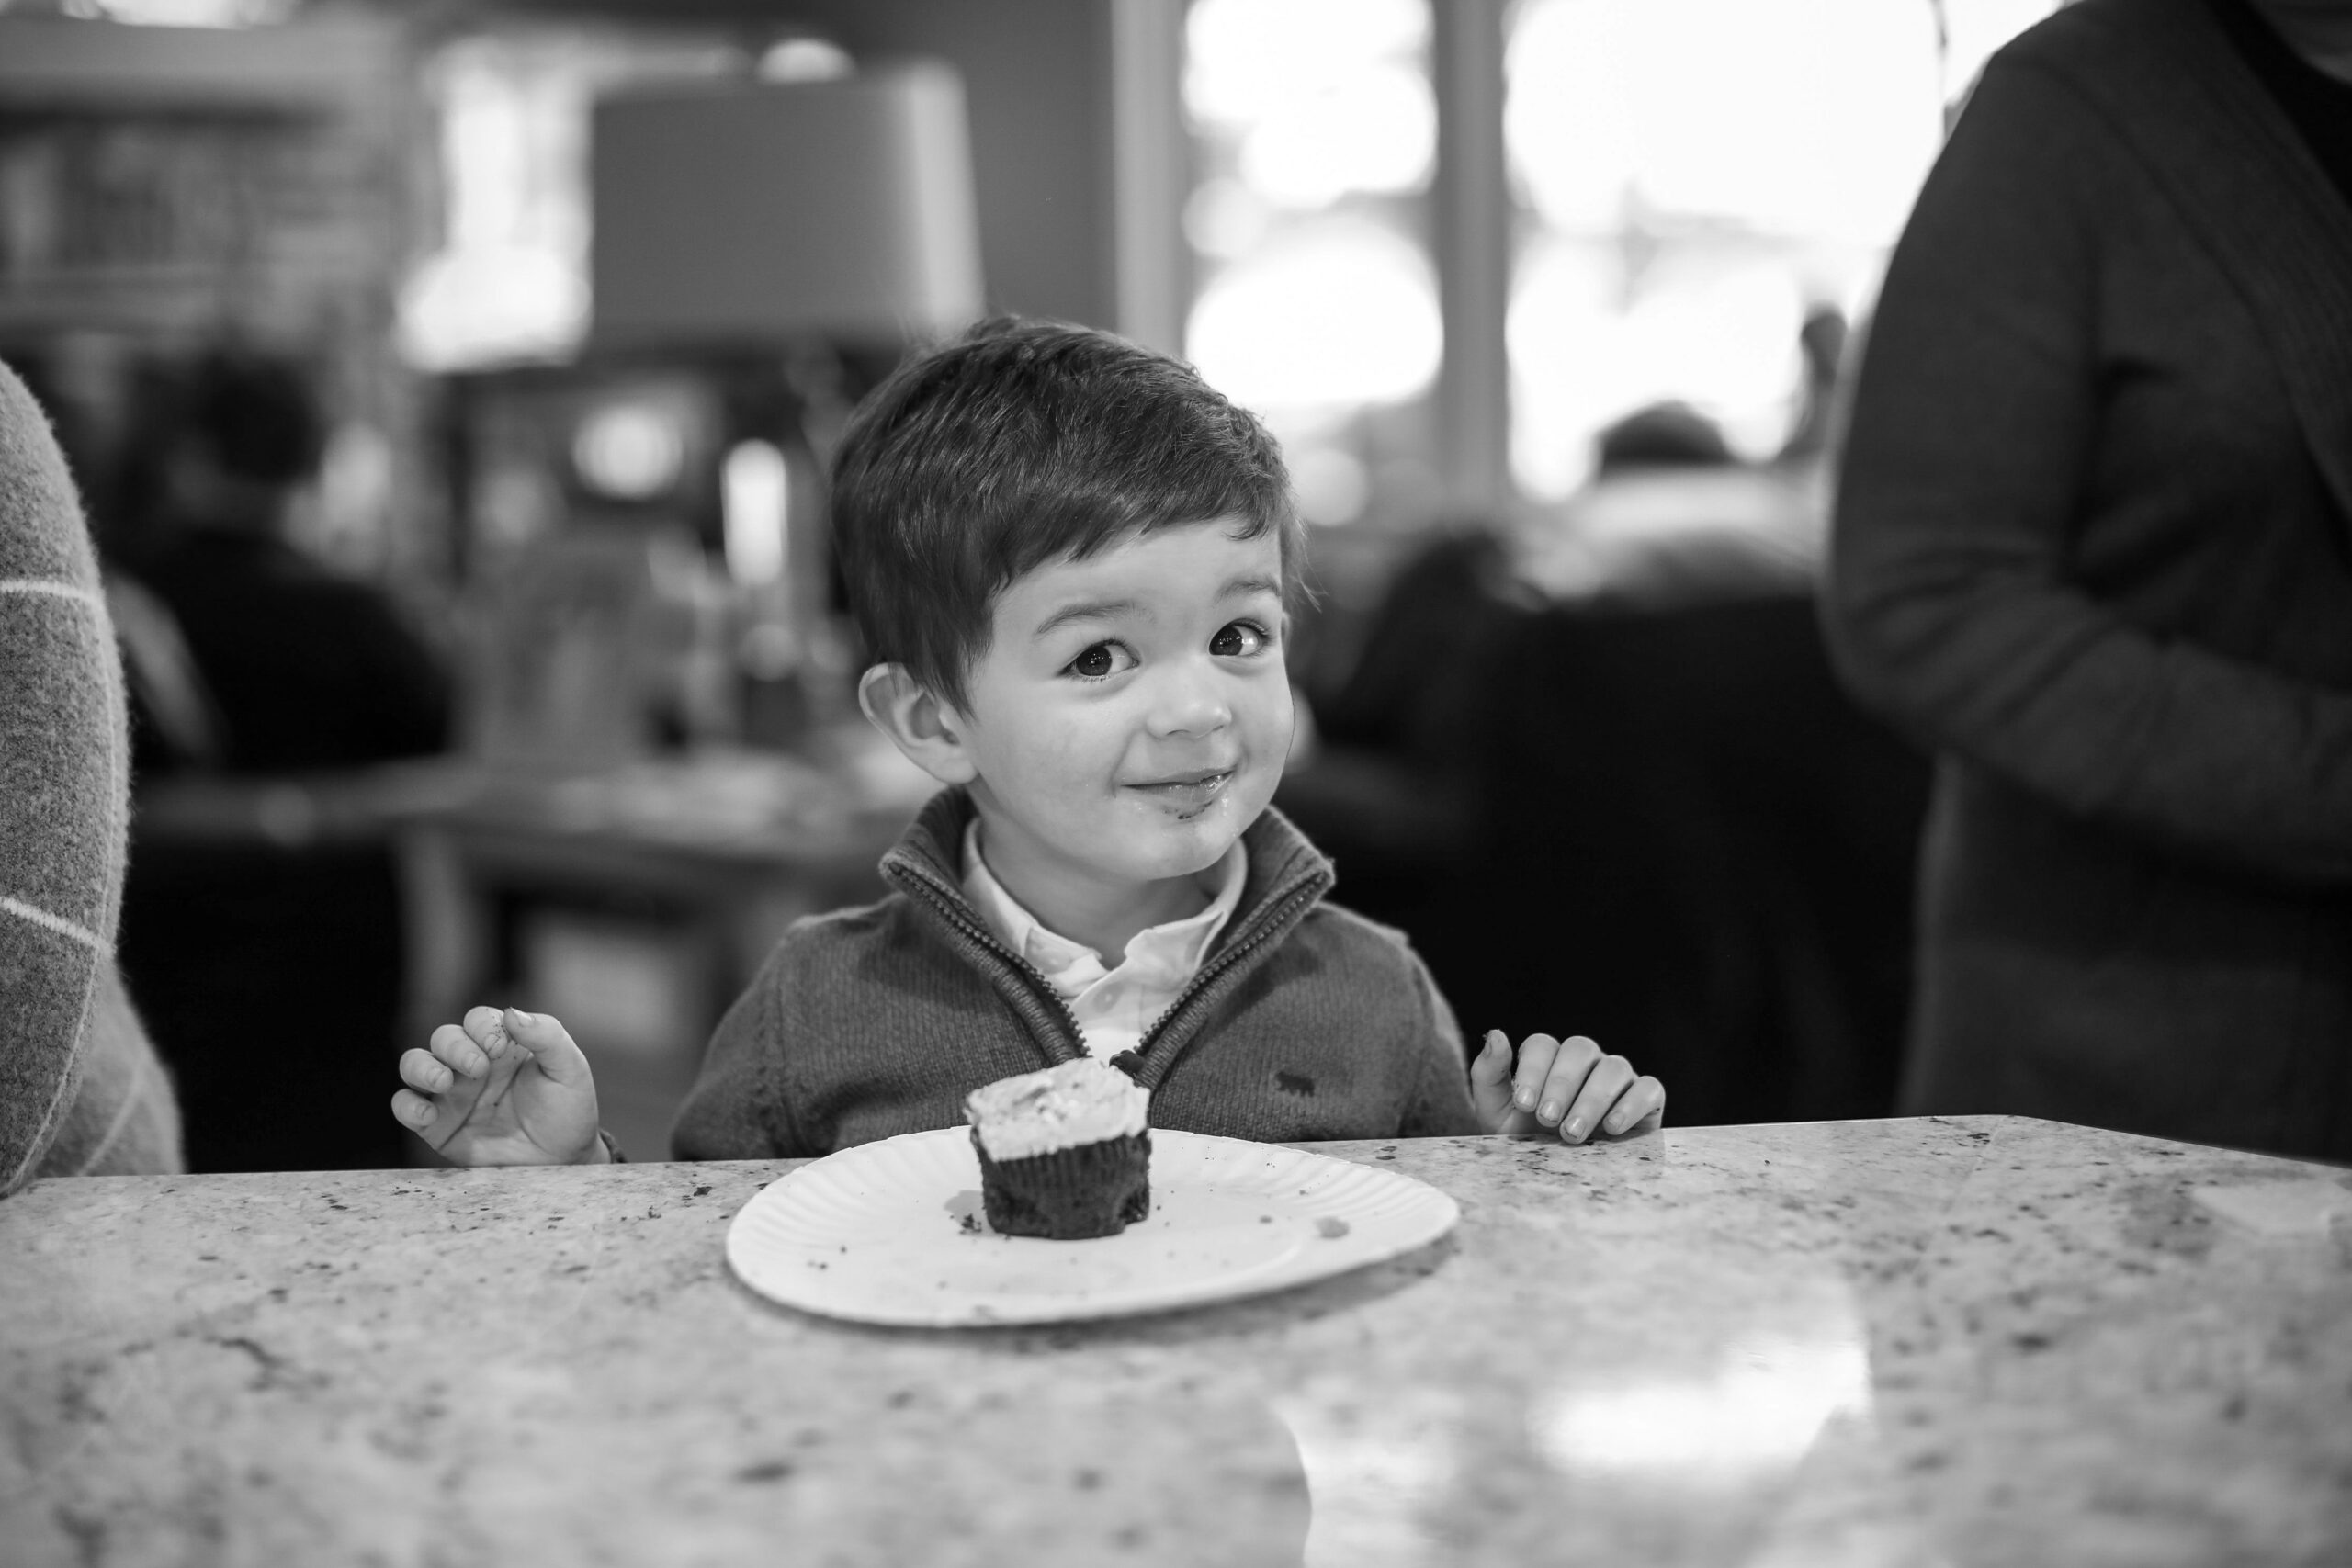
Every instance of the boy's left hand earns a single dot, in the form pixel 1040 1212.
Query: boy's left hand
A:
pixel 1567 1084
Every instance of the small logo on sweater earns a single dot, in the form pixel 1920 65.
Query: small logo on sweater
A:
pixel 1298 1084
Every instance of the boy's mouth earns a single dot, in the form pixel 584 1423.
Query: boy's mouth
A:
pixel 1188 792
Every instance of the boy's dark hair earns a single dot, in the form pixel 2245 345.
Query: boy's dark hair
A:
pixel 1022 444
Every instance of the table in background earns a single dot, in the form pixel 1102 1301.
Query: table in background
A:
pixel 698 861
pixel 1987 1341
pixel 717 854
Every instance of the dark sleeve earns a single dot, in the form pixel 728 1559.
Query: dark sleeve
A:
pixel 737 1109
pixel 374 690
pixel 409 688
pixel 1442 1107
pixel 1948 606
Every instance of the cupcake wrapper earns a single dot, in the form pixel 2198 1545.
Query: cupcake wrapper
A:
pixel 1066 1195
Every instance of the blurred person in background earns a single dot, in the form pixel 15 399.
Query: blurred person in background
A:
pixel 301 667
pixel 2094 543
pixel 254 663
pixel 81 1090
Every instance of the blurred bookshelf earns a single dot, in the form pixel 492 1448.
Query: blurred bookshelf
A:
pixel 162 188
pixel 188 178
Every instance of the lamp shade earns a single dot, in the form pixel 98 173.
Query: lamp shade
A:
pixel 756 211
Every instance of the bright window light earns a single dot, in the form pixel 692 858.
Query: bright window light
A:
pixel 1225 220
pixel 1247 59
pixel 630 451
pixel 1331 481
pixel 1374 130
pixel 1814 117
pixel 755 501
pixel 1719 333
pixel 1313 130
pixel 1342 313
pixel 1700 174
pixel 510 282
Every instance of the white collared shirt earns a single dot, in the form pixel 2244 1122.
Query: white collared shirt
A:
pixel 1114 1007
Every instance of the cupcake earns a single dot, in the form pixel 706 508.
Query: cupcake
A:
pixel 1064 1153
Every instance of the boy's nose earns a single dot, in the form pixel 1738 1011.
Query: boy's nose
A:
pixel 1190 705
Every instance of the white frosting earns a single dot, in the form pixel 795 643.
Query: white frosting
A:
pixel 1085 1101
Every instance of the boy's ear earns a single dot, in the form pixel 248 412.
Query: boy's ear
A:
pixel 929 731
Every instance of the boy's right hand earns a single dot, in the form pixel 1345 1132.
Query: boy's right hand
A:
pixel 507 1088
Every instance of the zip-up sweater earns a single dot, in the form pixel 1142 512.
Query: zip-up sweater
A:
pixel 1305 1021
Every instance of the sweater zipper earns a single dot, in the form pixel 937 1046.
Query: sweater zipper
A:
pixel 952 909
pixel 1275 918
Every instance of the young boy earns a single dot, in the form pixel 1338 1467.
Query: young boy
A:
pixel 1070 558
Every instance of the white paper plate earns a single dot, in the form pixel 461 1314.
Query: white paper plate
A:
pixel 883 1233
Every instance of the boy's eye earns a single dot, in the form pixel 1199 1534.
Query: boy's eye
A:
pixel 1101 661
pixel 1239 639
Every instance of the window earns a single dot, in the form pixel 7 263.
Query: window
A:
pixel 509 282
pixel 1314 127
pixel 1679 183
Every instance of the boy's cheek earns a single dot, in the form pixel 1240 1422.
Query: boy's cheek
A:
pixel 1297 725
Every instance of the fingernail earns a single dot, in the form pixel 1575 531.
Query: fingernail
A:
pixel 1525 1099
pixel 1550 1111
pixel 1616 1123
pixel 517 1019
pixel 1575 1129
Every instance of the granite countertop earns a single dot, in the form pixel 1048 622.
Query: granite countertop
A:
pixel 1989 1341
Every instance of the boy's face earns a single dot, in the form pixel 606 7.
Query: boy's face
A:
pixel 1132 713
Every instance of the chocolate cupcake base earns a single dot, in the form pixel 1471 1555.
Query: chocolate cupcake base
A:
pixel 1070 1194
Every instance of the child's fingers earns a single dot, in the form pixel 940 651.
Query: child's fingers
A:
pixel 424 1071
pixel 1490 1082
pixel 1572 1062
pixel 549 1043
pixel 1640 1107
pixel 1602 1088
pixel 486 1027
pixel 457 1048
pixel 412 1111
pixel 1536 1053
pixel 1491 1065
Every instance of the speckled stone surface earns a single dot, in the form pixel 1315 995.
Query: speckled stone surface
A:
pixel 1900 1343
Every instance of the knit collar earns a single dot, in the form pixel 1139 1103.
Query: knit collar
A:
pixel 1171 948
pixel 1285 877
pixel 1281 863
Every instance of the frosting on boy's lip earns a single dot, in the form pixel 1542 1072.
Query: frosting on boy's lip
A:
pixel 1188 791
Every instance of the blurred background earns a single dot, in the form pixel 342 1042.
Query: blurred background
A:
pixel 451 385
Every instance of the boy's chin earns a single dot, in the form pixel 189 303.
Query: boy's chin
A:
pixel 1185 844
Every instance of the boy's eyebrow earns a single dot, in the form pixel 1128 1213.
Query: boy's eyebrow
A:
pixel 1111 609
pixel 1084 610
pixel 1237 587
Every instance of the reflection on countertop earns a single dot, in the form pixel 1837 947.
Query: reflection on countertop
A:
pixel 1930 1342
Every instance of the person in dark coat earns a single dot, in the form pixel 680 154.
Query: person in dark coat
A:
pixel 306 668
pixel 296 670
pixel 2094 543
